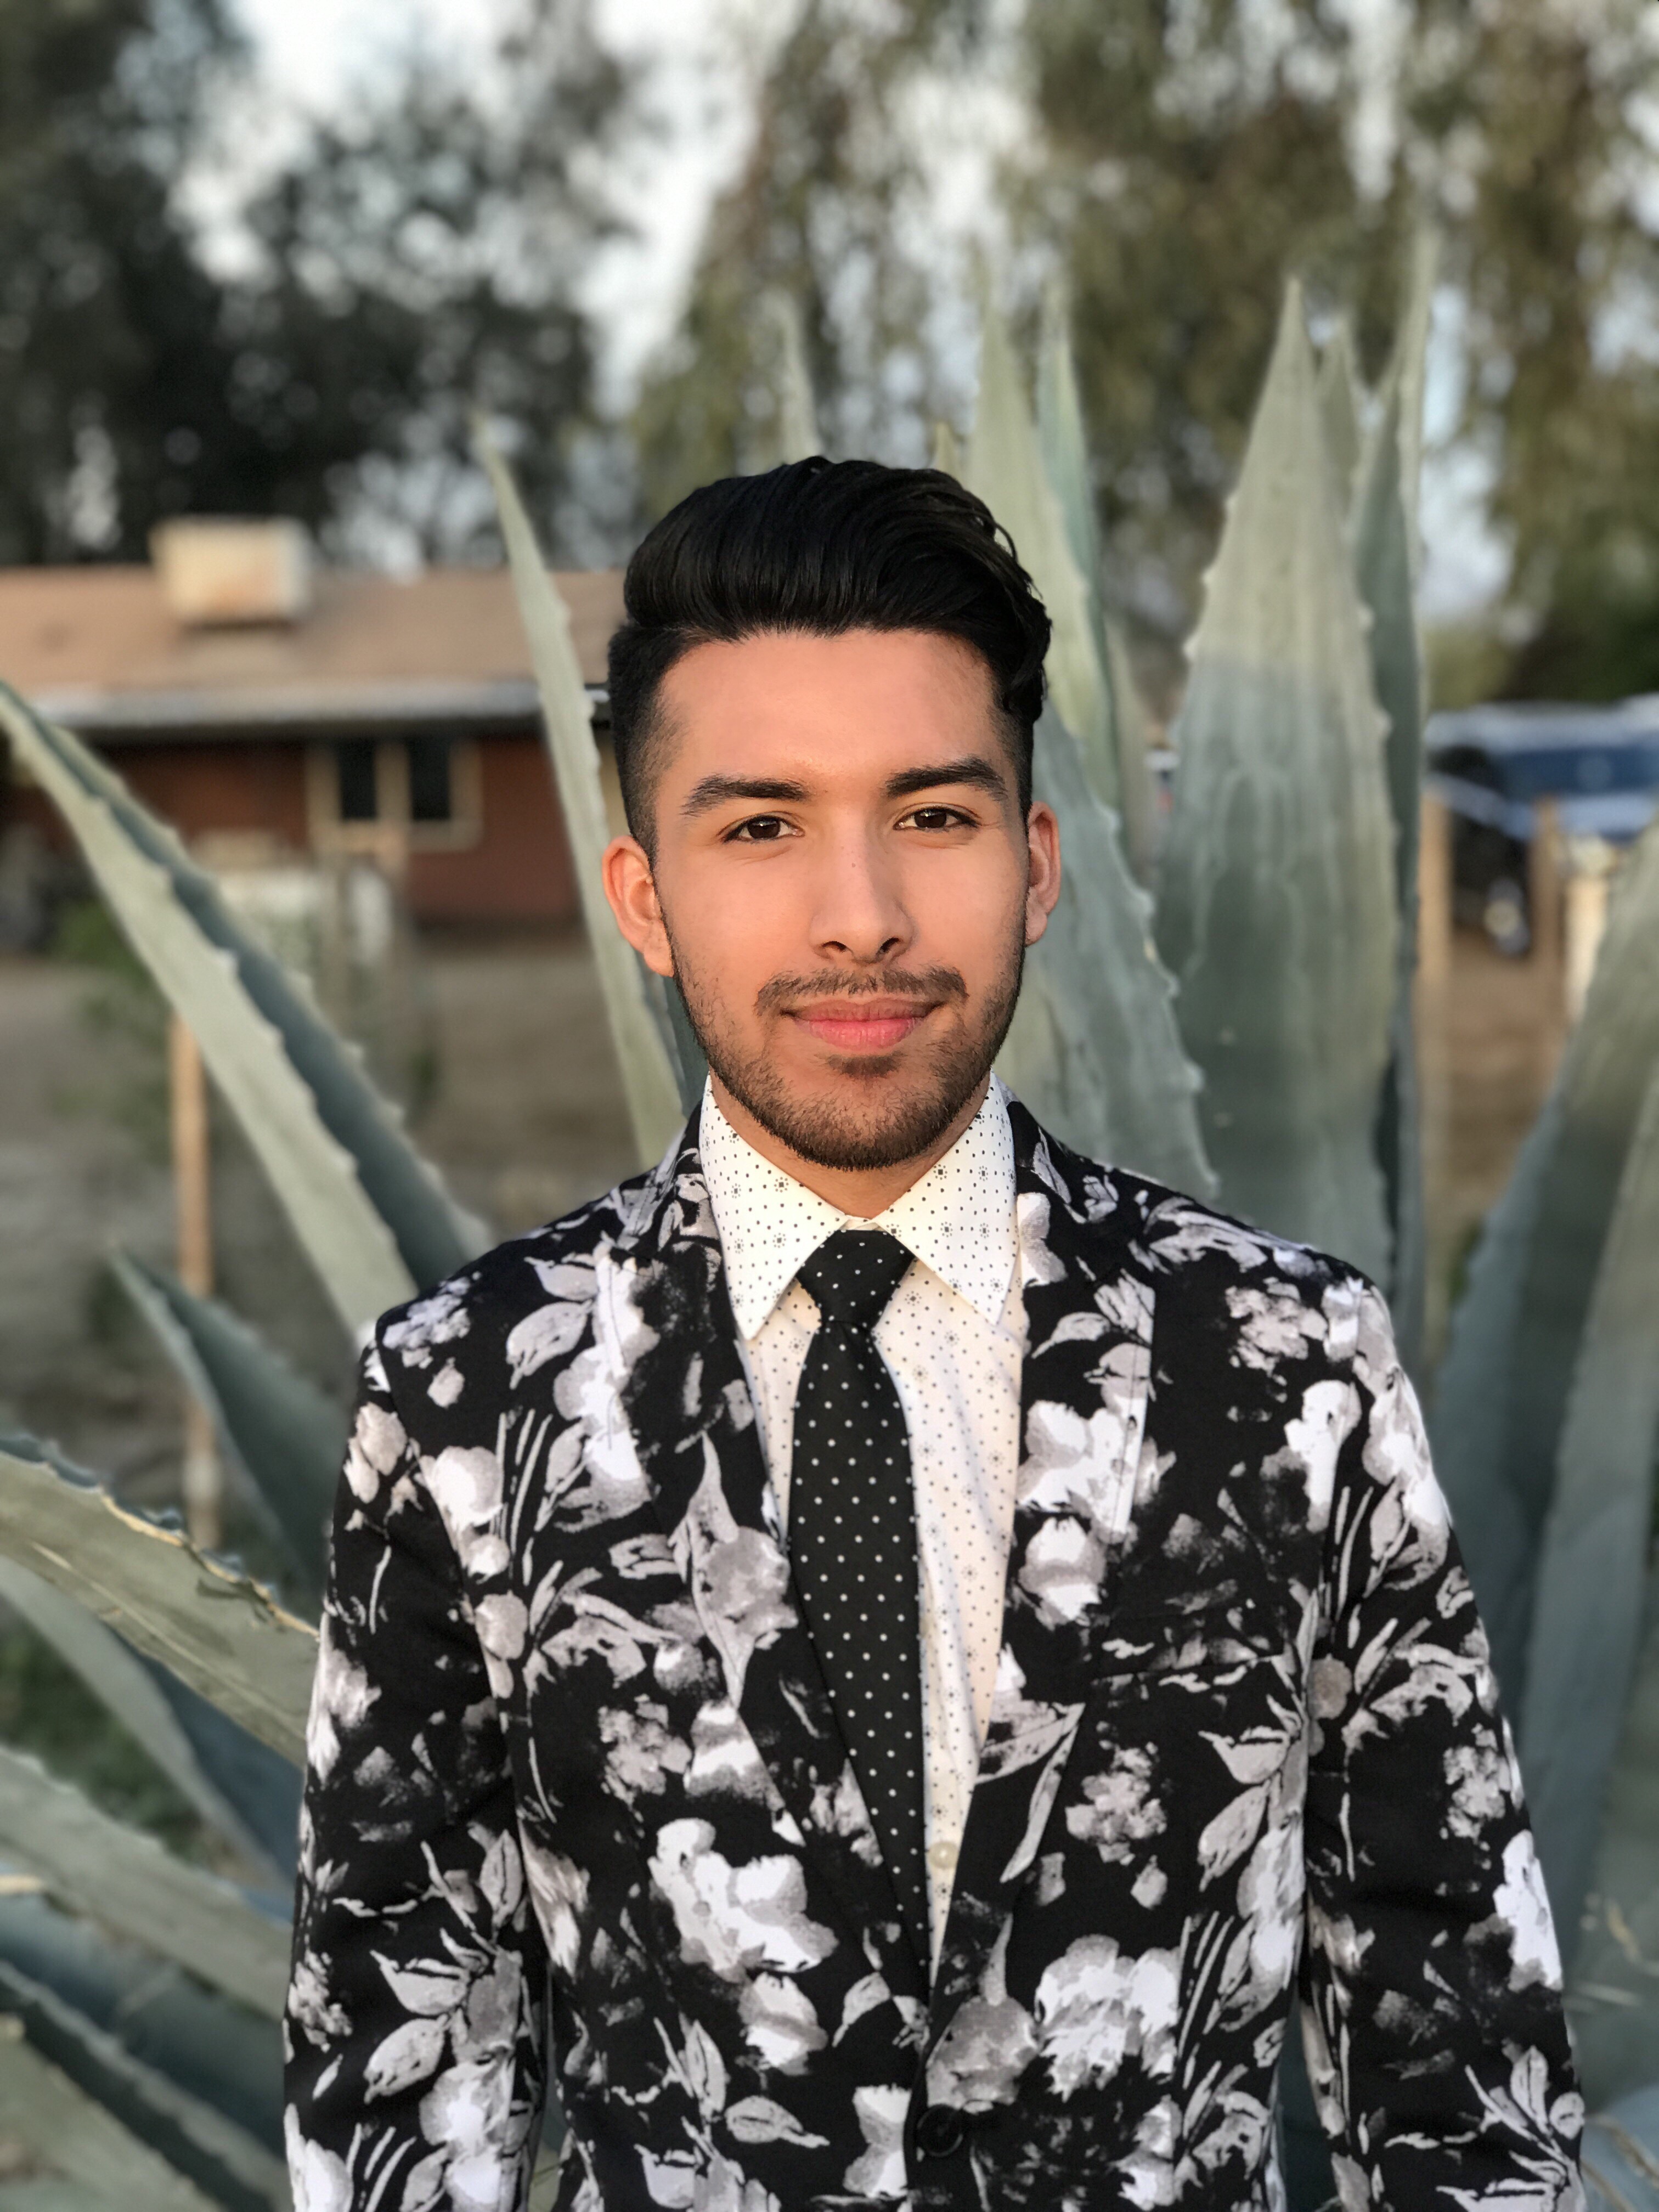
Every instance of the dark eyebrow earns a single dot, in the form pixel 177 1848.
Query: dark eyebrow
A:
pixel 717 790
pixel 972 769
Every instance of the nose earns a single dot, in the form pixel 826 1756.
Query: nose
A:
pixel 860 913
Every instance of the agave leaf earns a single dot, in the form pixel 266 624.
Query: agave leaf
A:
pixel 213 1625
pixel 798 437
pixel 1093 1049
pixel 216 2050
pixel 947 451
pixel 119 1876
pixel 1005 466
pixel 1587 1617
pixel 78 2147
pixel 117 1677
pixel 1385 553
pixel 1621 2154
pixel 642 1052
pixel 1613 1985
pixel 1126 782
pixel 1134 757
pixel 198 2141
pixel 286 1439
pixel 1502 1394
pixel 1339 407
pixel 1276 905
pixel 366 1209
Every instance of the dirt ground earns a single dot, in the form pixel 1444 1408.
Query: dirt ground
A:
pixel 525 1116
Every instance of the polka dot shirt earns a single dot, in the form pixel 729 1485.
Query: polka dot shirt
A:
pixel 952 1337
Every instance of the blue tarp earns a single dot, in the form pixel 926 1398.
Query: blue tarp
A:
pixel 1600 765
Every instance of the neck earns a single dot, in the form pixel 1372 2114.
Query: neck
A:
pixel 861 1191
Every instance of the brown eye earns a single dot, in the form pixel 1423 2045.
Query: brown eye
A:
pixel 760 830
pixel 935 817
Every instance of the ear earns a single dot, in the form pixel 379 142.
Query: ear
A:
pixel 631 889
pixel 1043 883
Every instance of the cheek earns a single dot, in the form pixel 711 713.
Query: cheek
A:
pixel 734 928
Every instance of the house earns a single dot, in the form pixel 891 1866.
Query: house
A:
pixel 274 713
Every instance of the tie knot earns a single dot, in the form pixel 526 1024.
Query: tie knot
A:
pixel 853 1274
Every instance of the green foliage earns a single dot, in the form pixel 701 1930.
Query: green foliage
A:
pixel 654 1078
pixel 1277 911
pixel 217 1629
pixel 100 1757
pixel 47 1710
pixel 1501 1397
pixel 1593 1555
pixel 409 263
pixel 368 1212
pixel 286 1439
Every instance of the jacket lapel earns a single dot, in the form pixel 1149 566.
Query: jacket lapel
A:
pixel 688 1404
pixel 1084 1392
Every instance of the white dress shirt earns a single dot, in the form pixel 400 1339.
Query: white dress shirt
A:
pixel 953 1337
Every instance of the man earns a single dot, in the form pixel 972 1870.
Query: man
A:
pixel 888 1652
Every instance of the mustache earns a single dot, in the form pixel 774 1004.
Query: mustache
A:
pixel 936 985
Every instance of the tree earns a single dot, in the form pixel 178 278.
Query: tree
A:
pixel 412 266
pixel 818 215
pixel 1186 157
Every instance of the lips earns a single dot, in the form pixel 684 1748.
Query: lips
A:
pixel 877 1026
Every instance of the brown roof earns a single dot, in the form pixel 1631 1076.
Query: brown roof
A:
pixel 98 647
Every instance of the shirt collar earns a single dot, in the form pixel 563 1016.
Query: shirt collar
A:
pixel 958 1220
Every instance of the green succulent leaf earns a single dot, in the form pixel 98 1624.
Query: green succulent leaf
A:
pixel 1612 1988
pixel 1005 466
pixel 1383 525
pixel 84 2159
pixel 1121 776
pixel 218 2051
pixel 798 438
pixel 1501 1399
pixel 216 1628
pixel 276 1428
pixel 369 1212
pixel 1621 2154
pixel 1339 407
pixel 1587 1617
pixel 116 1677
pixel 1093 1049
pixel 196 2140
pixel 122 1878
pixel 653 1078
pixel 1276 897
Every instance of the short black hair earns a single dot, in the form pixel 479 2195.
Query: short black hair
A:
pixel 822 547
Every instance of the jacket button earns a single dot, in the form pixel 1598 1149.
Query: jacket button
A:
pixel 939 2131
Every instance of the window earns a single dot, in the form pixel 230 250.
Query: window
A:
pixel 390 796
pixel 431 782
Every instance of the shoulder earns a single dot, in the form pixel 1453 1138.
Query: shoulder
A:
pixel 516 1306
pixel 1269 1298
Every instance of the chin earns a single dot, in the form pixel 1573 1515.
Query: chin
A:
pixel 873 1113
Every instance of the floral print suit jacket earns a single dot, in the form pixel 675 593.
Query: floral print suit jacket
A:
pixel 577 1801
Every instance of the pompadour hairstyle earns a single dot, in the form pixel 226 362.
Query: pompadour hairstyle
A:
pixel 821 547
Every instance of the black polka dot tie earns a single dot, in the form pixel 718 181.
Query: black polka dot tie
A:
pixel 853 1546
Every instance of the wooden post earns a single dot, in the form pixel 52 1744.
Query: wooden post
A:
pixel 1546 906
pixel 192 1199
pixel 1586 926
pixel 1433 1009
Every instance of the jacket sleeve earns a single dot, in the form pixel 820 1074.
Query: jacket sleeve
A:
pixel 1430 1979
pixel 415 2024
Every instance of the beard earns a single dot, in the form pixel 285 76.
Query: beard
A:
pixel 883 1110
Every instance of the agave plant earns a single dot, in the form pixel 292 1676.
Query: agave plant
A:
pixel 1230 1013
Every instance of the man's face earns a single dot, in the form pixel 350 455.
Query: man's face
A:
pixel 843 882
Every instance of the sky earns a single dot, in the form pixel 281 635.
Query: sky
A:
pixel 703 55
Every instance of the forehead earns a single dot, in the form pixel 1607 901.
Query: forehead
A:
pixel 867 700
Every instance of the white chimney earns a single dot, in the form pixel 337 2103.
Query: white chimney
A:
pixel 217 573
